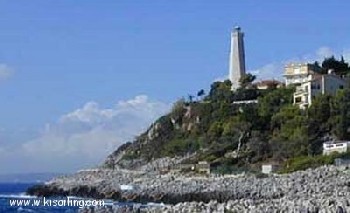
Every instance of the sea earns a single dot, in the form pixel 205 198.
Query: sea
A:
pixel 10 192
pixel 16 191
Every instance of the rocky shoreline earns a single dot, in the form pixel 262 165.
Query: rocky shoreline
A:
pixel 324 188
pixel 238 206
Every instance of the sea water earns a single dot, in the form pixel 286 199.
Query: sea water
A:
pixel 16 191
pixel 13 191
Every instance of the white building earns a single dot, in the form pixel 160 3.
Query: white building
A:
pixel 269 168
pixel 267 84
pixel 203 167
pixel 297 73
pixel 335 146
pixel 309 83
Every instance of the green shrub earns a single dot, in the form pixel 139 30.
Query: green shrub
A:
pixel 210 158
pixel 130 155
pixel 306 162
pixel 230 169
pixel 180 146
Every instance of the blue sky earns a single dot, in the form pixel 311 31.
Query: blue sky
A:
pixel 88 58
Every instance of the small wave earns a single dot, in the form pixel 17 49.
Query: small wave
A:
pixel 20 195
pixel 155 204
pixel 20 209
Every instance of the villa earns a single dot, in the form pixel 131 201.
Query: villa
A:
pixel 310 82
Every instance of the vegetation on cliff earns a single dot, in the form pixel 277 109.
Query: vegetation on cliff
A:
pixel 228 134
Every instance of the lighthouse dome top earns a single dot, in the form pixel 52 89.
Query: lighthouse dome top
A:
pixel 237 28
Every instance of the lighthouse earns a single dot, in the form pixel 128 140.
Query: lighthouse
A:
pixel 237 57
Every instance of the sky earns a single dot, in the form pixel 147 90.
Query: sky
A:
pixel 79 78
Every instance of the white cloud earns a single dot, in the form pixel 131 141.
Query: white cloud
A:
pixel 85 136
pixel 5 71
pixel 268 71
pixel 324 52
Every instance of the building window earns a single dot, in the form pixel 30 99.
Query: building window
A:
pixel 341 87
pixel 315 86
pixel 296 70
pixel 297 99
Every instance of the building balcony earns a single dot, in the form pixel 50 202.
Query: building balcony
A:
pixel 300 91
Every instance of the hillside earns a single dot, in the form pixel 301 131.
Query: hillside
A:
pixel 239 135
pixel 231 135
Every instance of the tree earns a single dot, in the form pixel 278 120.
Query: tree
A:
pixel 221 92
pixel 340 67
pixel 243 130
pixel 290 135
pixel 340 113
pixel 215 130
pixel 319 114
pixel 246 79
pixel 177 111
pixel 272 102
pixel 245 94
pixel 237 127
pixel 258 145
pixel 190 98
pixel 317 64
pixel 200 93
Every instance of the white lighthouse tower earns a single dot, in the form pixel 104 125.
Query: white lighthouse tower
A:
pixel 237 57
